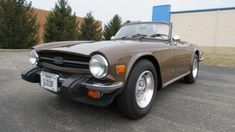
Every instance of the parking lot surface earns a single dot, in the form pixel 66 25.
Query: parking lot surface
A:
pixel 207 105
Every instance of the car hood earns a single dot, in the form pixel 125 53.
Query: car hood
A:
pixel 83 47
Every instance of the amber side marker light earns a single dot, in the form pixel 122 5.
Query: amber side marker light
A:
pixel 93 94
pixel 121 69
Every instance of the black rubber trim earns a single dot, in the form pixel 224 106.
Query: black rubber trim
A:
pixel 31 75
pixel 76 82
pixel 106 99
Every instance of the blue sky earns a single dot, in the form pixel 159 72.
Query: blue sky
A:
pixel 135 10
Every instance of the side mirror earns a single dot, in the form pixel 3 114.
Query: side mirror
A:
pixel 112 38
pixel 176 38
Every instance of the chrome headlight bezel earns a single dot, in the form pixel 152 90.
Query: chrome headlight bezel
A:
pixel 98 66
pixel 33 57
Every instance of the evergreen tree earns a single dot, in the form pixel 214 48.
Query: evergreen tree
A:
pixel 18 24
pixel 61 24
pixel 90 28
pixel 112 27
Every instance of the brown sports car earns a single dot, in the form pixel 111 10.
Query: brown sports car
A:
pixel 140 60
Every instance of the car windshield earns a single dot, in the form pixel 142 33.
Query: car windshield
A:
pixel 144 30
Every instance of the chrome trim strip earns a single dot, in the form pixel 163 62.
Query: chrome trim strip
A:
pixel 47 58
pixel 64 69
pixel 104 88
pixel 175 79
pixel 76 62
pixel 66 61
pixel 201 59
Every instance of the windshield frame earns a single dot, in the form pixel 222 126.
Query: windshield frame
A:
pixel 135 23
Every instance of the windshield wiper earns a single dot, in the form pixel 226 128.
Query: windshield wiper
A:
pixel 158 35
pixel 140 36
pixel 127 36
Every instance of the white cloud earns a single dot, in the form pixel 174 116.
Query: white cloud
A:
pixel 136 10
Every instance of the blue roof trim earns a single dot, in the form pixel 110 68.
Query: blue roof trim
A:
pixel 203 10
pixel 161 5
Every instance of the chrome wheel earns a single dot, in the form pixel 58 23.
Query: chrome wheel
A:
pixel 144 89
pixel 195 68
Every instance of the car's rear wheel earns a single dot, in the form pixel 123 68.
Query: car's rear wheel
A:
pixel 138 95
pixel 191 78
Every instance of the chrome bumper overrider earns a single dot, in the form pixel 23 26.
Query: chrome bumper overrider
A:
pixel 201 59
pixel 102 87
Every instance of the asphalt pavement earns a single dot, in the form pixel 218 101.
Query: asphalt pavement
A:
pixel 208 105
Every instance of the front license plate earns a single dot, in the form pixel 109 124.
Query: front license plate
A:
pixel 49 81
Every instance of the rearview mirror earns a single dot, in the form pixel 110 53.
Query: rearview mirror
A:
pixel 176 38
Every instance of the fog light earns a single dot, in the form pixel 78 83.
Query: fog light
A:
pixel 93 94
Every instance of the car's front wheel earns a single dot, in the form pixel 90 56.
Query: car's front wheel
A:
pixel 138 95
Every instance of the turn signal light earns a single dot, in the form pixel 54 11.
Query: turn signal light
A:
pixel 121 69
pixel 93 94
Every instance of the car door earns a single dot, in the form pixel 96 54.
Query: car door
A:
pixel 182 58
pixel 166 58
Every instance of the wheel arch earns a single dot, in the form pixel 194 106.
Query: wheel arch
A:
pixel 153 60
pixel 197 52
pixel 194 52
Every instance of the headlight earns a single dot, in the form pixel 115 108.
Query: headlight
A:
pixel 33 57
pixel 98 66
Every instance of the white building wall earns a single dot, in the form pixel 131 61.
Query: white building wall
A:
pixel 211 28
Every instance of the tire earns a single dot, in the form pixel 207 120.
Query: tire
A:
pixel 191 78
pixel 127 101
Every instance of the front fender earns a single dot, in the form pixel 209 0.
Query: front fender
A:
pixel 133 60
pixel 127 60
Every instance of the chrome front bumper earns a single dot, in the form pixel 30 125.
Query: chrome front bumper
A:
pixel 74 81
pixel 75 87
pixel 201 59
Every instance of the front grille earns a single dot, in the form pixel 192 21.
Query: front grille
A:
pixel 64 59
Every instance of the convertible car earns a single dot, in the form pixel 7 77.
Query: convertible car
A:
pixel 138 61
